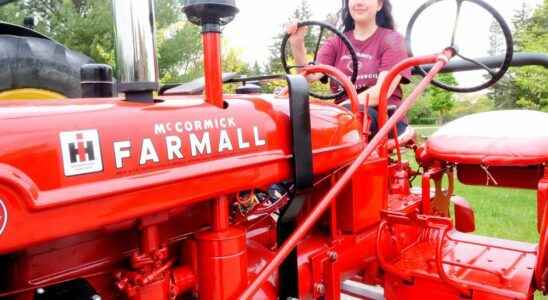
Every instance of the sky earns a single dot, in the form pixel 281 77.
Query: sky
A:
pixel 259 21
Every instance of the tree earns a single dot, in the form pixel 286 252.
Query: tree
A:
pixel 11 13
pixel 274 65
pixel 526 87
pixel 421 113
pixel 467 107
pixel 496 39
pixel 435 104
pixel 519 20
pixel 503 93
pixel 256 69
pixel 232 62
pixel 531 81
pixel 179 52
pixel 302 13
pixel 84 26
pixel 442 101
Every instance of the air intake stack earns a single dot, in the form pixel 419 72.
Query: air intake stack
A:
pixel 222 248
pixel 135 49
pixel 211 15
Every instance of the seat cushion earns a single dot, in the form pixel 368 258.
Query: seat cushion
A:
pixel 499 138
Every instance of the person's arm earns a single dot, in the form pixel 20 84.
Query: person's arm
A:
pixel 326 54
pixel 296 42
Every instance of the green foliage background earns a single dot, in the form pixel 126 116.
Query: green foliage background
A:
pixel 531 83
pixel 436 105
pixel 525 87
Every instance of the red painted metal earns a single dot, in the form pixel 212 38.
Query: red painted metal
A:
pixel 50 199
pixel 360 203
pixel 400 173
pixel 184 280
pixel 526 177
pixel 213 69
pixel 153 274
pixel 345 82
pixel 464 215
pixel 156 217
pixel 115 199
pixel 463 262
pixel 150 241
pixel 222 263
pixel 541 270
pixel 542 199
pixel 440 61
pixel 316 213
pixel 436 174
pixel 488 139
pixel 221 214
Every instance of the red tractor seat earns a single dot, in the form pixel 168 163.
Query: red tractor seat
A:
pixel 499 138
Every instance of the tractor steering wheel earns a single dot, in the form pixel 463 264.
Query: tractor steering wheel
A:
pixel 494 74
pixel 323 26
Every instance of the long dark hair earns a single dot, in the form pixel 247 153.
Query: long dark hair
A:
pixel 384 16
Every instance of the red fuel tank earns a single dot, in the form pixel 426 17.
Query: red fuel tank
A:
pixel 76 165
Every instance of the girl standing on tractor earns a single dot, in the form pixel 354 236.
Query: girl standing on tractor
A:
pixel 369 26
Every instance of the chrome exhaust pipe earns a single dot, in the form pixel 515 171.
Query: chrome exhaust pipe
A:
pixel 135 48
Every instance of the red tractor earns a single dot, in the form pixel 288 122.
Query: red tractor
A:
pixel 253 196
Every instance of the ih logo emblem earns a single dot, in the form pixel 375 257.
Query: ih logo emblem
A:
pixel 3 217
pixel 81 152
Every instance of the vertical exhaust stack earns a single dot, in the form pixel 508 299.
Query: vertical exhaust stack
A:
pixel 135 49
pixel 211 15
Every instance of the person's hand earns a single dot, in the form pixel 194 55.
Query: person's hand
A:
pixel 296 34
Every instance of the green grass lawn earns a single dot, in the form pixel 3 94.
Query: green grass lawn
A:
pixel 502 213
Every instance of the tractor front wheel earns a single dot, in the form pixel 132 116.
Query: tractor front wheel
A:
pixel 37 68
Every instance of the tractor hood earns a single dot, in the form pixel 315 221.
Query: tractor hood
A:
pixel 96 162
pixel 57 145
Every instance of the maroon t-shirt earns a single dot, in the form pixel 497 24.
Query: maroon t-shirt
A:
pixel 380 52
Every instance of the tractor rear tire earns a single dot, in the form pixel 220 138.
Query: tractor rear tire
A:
pixel 36 63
